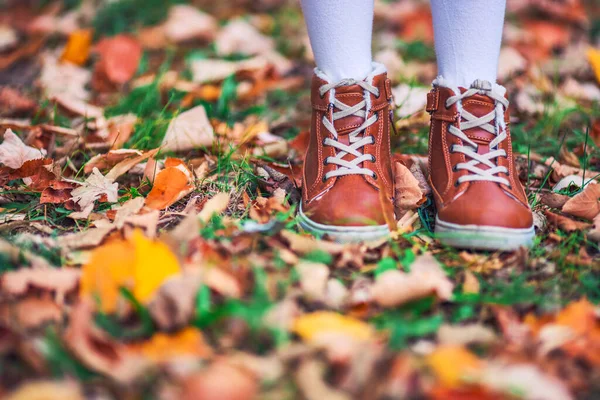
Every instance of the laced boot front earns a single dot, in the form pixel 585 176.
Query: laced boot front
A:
pixel 348 185
pixel 480 202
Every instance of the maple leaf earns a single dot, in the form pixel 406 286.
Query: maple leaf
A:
pixel 14 153
pixel 94 187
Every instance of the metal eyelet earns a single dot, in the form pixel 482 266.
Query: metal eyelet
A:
pixel 452 149
pixel 324 179
pixel 375 177
pixel 378 94
pixel 454 169
pixel 372 158
pixel 456 184
pixel 372 138
pixel 325 163
pixel 323 142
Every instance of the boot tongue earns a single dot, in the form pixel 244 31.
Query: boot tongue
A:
pixel 479 105
pixel 350 95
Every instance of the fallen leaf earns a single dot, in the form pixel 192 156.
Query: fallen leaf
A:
pixel 220 381
pixel 127 164
pixel 186 22
pixel 139 264
pixel 593 56
pixel 585 204
pixel 30 313
pixel 310 326
pixel 47 390
pixel 462 335
pixel 97 350
pixel 238 36
pixel 313 279
pixel 426 277
pixel 170 185
pixel 174 304
pixel 15 103
pixel 78 47
pixel 14 153
pixel 565 223
pixel 57 192
pixel 92 189
pixel 453 365
pixel 58 281
pixel 408 193
pixel 189 130
pixel 64 80
pixel 162 347
pixel 110 159
pixel 119 57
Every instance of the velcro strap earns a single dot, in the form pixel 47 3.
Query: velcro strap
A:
pixel 432 100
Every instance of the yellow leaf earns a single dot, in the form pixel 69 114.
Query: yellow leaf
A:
pixel 310 326
pixel 110 267
pixel 594 59
pixel 164 347
pixel 139 264
pixel 452 364
pixel 154 262
pixel 78 46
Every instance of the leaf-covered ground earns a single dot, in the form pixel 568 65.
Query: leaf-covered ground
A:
pixel 149 177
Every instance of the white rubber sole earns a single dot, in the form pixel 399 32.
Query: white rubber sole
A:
pixel 343 234
pixel 479 237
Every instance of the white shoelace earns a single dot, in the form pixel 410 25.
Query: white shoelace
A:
pixel 468 121
pixel 361 110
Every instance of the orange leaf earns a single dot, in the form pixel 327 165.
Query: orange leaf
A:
pixel 451 364
pixel 78 46
pixel 163 347
pixel 170 185
pixel 579 316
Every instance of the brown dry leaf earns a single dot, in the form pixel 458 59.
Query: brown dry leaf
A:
pixel 306 244
pixel 119 56
pixel 408 194
pixel 57 192
pixel 120 128
pixel 15 103
pixel 78 47
pixel 30 313
pixel 471 284
pixel 87 238
pixel 313 279
pixel 426 277
pixel 127 164
pixel 585 204
pixel 565 223
pixel 311 382
pixel 170 185
pixel 238 36
pixel 219 381
pixel 110 159
pixel 189 130
pixel 453 365
pixel 14 153
pixel 186 22
pixel 162 347
pixel 215 205
pixel 463 335
pixel 47 390
pixel 174 303
pixel 97 350
pixel 60 281
pixel 92 189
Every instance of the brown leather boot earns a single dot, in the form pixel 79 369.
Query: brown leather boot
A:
pixel 348 184
pixel 480 201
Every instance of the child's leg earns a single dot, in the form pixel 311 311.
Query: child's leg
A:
pixel 340 35
pixel 468 34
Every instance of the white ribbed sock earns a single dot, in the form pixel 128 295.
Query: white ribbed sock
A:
pixel 468 35
pixel 340 34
